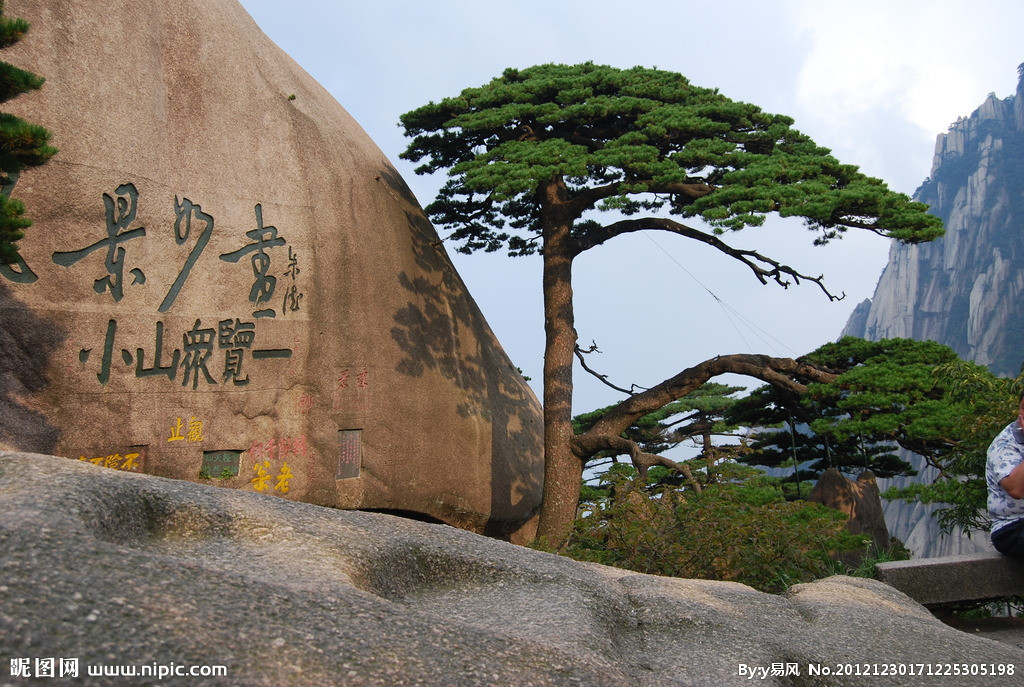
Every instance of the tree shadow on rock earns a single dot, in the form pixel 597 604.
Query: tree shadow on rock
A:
pixel 441 329
pixel 27 342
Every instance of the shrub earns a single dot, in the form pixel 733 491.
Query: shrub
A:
pixel 745 533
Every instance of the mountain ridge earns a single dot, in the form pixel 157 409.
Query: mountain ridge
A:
pixel 961 290
pixel 964 289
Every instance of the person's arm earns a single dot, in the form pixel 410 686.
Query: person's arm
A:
pixel 1013 484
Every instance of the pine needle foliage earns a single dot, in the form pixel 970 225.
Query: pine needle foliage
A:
pixel 22 144
pixel 635 140
pixel 887 396
pixel 559 159
pixel 694 416
pixel 988 403
pixel 890 394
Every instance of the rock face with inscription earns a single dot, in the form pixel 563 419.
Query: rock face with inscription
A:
pixel 124 572
pixel 227 281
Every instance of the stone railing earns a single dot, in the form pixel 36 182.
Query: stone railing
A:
pixel 950 580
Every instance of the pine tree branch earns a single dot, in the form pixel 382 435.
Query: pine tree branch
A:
pixel 587 199
pixel 586 445
pixel 604 378
pixel 764 268
pixel 781 372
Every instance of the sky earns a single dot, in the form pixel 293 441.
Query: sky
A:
pixel 875 81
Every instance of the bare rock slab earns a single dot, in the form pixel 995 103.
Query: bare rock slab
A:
pixel 226 280
pixel 125 569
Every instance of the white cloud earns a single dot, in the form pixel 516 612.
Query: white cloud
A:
pixel 908 66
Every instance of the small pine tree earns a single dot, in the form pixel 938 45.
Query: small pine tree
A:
pixel 21 144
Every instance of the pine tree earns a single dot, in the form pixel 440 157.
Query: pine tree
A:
pixel 886 395
pixel 781 422
pixel 533 158
pixel 698 417
pixel 988 403
pixel 21 144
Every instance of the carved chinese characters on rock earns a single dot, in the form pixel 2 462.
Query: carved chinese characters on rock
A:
pixel 184 211
pixel 172 294
pixel 191 432
pixel 210 351
pixel 127 462
pixel 220 464
pixel 350 453
pixel 121 209
pixel 263 239
pixel 235 338
pixel 274 455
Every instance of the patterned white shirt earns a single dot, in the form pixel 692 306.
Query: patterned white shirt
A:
pixel 1004 454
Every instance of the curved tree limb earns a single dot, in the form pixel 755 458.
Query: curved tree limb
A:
pixel 588 198
pixel 589 445
pixel 781 372
pixel 764 268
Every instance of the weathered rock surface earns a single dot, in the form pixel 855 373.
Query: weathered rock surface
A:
pixel 127 569
pixel 859 499
pixel 965 289
pixel 227 278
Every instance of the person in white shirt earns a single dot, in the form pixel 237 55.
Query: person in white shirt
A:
pixel 1004 473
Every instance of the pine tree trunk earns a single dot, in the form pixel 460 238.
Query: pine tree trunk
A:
pixel 563 470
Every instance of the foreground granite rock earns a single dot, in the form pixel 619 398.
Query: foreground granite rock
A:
pixel 227 271
pixel 135 570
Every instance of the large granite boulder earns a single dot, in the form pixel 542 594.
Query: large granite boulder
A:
pixel 227 280
pixel 120 569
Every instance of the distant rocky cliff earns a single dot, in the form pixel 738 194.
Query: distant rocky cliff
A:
pixel 964 289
